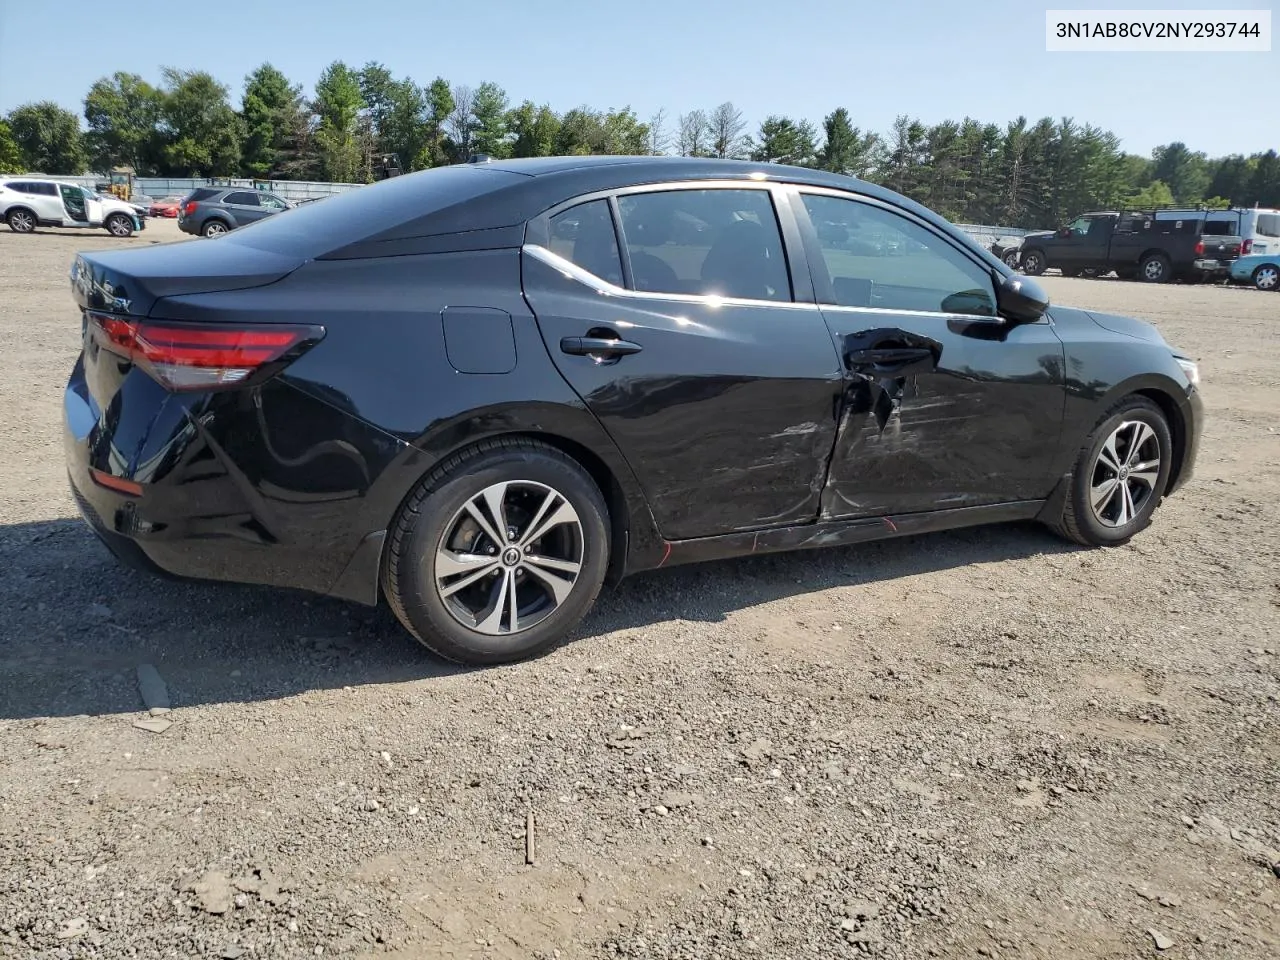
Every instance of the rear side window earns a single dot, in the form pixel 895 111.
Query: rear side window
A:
pixel 705 242
pixel 243 199
pixel 584 235
pixel 201 193
pixel 1268 224
pixel 46 189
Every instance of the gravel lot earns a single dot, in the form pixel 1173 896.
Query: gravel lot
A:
pixel 982 743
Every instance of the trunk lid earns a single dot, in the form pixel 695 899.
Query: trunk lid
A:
pixel 1220 248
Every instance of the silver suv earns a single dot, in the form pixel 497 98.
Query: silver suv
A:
pixel 213 211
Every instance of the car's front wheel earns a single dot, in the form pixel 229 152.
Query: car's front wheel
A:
pixel 21 220
pixel 1267 277
pixel 498 553
pixel 1120 475
pixel 118 225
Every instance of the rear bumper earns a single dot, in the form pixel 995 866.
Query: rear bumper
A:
pixel 1212 267
pixel 262 515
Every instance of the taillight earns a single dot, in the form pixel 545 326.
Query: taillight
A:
pixel 203 356
pixel 190 208
pixel 1246 247
pixel 1199 247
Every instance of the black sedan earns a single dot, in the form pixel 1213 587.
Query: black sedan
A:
pixel 483 391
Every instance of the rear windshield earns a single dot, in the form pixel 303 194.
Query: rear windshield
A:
pixel 1269 224
pixel 314 229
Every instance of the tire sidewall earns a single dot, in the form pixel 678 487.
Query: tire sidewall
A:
pixel 118 218
pixel 420 602
pixel 1034 263
pixel 11 216
pixel 1134 409
pixel 1257 277
pixel 1164 269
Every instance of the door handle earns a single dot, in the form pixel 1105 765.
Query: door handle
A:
pixel 598 346
pixel 889 358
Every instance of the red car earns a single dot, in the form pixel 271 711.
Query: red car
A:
pixel 168 207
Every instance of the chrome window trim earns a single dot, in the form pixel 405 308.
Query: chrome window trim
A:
pixel 605 288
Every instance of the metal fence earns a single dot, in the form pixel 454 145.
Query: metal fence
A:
pixel 157 187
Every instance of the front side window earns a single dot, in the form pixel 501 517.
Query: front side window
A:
pixel 878 259
pixel 1080 226
pixel 272 202
pixel 705 242
pixel 584 235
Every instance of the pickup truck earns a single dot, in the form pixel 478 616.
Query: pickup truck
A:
pixel 1134 245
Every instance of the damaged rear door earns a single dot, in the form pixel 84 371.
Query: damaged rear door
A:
pixel 670 310
pixel 946 404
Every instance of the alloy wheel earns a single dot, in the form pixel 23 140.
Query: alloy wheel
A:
pixel 1153 269
pixel 22 222
pixel 119 227
pixel 1266 277
pixel 214 229
pixel 1125 473
pixel 509 557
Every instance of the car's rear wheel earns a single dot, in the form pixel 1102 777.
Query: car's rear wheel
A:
pixel 118 225
pixel 214 228
pixel 1011 259
pixel 498 553
pixel 1155 269
pixel 21 220
pixel 1120 475
pixel 1034 263
pixel 1267 277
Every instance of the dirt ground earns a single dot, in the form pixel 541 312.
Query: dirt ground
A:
pixel 985 743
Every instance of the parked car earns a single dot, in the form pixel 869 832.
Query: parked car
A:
pixel 1257 227
pixel 1260 269
pixel 30 202
pixel 1133 245
pixel 424 390
pixel 168 207
pixel 213 211
pixel 1007 249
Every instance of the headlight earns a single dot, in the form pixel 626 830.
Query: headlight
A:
pixel 1191 369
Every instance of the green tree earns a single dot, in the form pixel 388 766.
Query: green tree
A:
pixel 10 158
pixel 1230 177
pixel 624 134
pixel 1264 185
pixel 337 106
pixel 535 130
pixel 845 149
pixel 202 133
pixel 123 112
pixel 489 121
pixel 1154 194
pixel 783 140
pixel 1186 172
pixel 273 111
pixel 440 105
pixel 48 138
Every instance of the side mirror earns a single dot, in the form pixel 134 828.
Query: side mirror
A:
pixel 1021 299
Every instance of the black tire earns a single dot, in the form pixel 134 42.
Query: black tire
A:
pixel 432 516
pixel 214 227
pixel 1011 259
pixel 1034 263
pixel 1155 268
pixel 1267 277
pixel 119 225
pixel 21 220
pixel 1079 522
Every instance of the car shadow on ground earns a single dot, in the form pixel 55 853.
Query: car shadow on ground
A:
pixel 77 624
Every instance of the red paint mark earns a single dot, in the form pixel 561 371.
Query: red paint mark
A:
pixel 665 553
pixel 890 523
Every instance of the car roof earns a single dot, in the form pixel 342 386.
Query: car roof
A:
pixel 492 200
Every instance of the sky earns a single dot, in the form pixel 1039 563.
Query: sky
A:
pixel 931 59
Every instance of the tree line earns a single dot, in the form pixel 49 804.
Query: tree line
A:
pixel 1021 173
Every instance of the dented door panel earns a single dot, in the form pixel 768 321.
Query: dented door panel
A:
pixel 971 417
